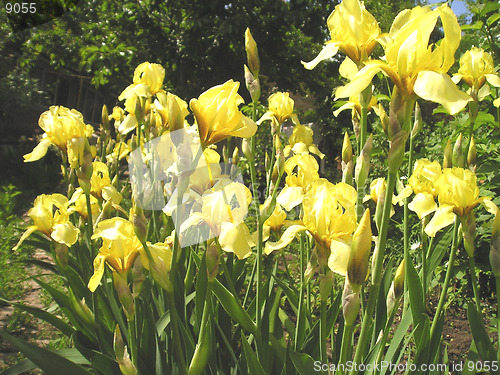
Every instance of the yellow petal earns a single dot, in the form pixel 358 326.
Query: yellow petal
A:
pixel 285 239
pixel 129 124
pixel 235 238
pixel 329 50
pixel 493 80
pixel 405 193
pixel 423 204
pixel 443 217
pixel 25 235
pixel 439 88
pixel 340 252
pixel 348 68
pixel 360 81
pixel 290 197
pixel 38 152
pixel 98 272
pixel 65 233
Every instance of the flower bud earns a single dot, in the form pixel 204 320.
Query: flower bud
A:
pixel 252 84
pixel 347 170
pixel 418 124
pixel 346 149
pixel 61 251
pixel 105 118
pixel 246 149
pixel 81 309
pixel 311 268
pixel 397 287
pixel 363 163
pixel 458 154
pixel 469 232
pixel 175 117
pixel 140 223
pixel 84 173
pixel 448 155
pixel 384 119
pixel 350 303
pixel 495 246
pixel 212 261
pixel 472 156
pixel 122 356
pixel 124 294
pixel 357 268
pixel 236 156
pixel 138 276
pixel 325 285
pixel 397 151
pixel 252 53
pixel 397 114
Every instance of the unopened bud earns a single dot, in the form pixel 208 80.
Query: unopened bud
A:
pixel 469 232
pixel 397 151
pixel 495 246
pixel 81 309
pixel 252 53
pixel 122 356
pixel 247 149
pixel 175 118
pixel 347 170
pixel 140 223
pixel 363 163
pixel 399 279
pixel 357 268
pixel 124 294
pixel 312 265
pixel 252 84
pixel 472 156
pixel 138 276
pixel 384 119
pixel 346 149
pixel 350 303
pixel 448 155
pixel 212 261
pixel 458 154
pixel 418 123
pixel 236 156
pixel 325 285
pixel 397 114
pixel 267 208
pixel 84 173
pixel 61 251
pixel 105 117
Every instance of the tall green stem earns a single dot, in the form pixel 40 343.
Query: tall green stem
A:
pixel 447 279
pixel 346 349
pixel 406 222
pixel 174 319
pixel 473 279
pixel 132 340
pixel 367 321
pixel 323 333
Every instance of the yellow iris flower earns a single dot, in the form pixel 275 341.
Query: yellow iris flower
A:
pixel 301 170
pixel 100 183
pixel 120 247
pixel 477 68
pixel 50 216
pixel 422 182
pixel 458 194
pixel 65 129
pixel 353 30
pixel 301 142
pixel 280 108
pixel 218 116
pixel 416 67
pixel 329 215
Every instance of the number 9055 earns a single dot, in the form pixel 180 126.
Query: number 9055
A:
pixel 20 8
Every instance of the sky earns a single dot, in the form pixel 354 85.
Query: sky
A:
pixel 458 7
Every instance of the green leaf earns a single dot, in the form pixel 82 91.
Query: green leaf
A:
pixel 303 363
pixel 489 7
pixel 233 308
pixel 493 18
pixel 483 343
pixel 254 366
pixel 61 325
pixel 48 361
pixel 475 26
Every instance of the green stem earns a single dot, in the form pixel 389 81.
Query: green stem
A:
pixel 323 333
pixel 497 282
pixel 447 279
pixel 202 351
pixel 132 340
pixel 472 269
pixel 174 319
pixel 366 325
pixel 301 298
pixel 346 349
pixel 406 224
pixel 90 226
pixel 383 340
